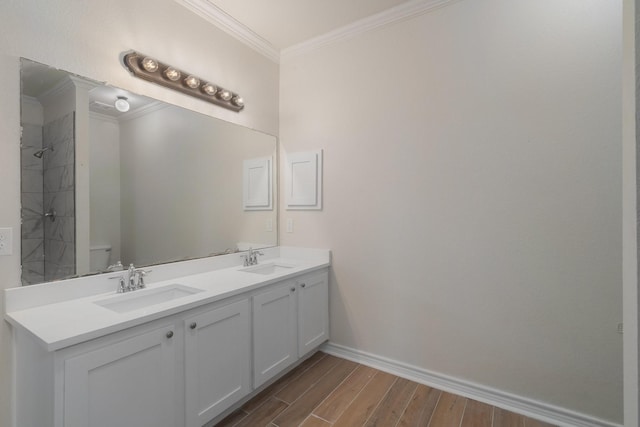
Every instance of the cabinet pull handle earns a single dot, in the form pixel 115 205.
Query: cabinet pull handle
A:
pixel 293 289
pixel 193 325
pixel 304 285
pixel 169 334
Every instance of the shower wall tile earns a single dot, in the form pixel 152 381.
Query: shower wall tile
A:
pixel 32 230
pixel 30 275
pixel 59 135
pixel 68 257
pixel 32 250
pixel 32 181
pixel 54 251
pixel 59 130
pixel 61 229
pixel 32 227
pixel 31 142
pixel 57 272
pixel 52 255
pixel 69 198
pixel 28 160
pixel 31 204
pixel 58 178
pixel 62 202
pixel 33 269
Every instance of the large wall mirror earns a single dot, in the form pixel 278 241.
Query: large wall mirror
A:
pixel 150 185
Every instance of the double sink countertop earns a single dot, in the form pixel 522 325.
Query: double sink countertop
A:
pixel 64 313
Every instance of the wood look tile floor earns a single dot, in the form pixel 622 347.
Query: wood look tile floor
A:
pixel 325 391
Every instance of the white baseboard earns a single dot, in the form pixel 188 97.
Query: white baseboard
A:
pixel 511 402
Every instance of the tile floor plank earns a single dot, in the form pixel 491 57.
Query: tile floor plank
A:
pixel 313 421
pixel 392 406
pixel 290 392
pixel 367 400
pixel 504 418
pixel 302 407
pixel 448 412
pixel 477 414
pixel 232 419
pixel 420 408
pixel 342 396
pixel 263 415
pixel 327 391
pixel 290 376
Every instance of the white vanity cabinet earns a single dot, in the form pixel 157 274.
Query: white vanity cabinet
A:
pixel 185 369
pixel 289 320
pixel 117 381
pixel 217 359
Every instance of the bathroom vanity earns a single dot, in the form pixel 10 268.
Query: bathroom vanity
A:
pixel 203 336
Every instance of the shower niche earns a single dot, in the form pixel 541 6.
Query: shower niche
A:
pixel 48 186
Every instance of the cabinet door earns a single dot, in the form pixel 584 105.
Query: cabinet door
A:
pixel 217 361
pixel 313 309
pixel 274 331
pixel 126 383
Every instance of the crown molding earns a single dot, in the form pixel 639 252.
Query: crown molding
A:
pixel 224 21
pixel 143 111
pixel 231 26
pixel 102 117
pixel 401 12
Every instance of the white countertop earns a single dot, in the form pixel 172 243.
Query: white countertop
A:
pixel 61 322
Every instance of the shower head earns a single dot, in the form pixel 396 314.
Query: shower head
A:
pixel 40 152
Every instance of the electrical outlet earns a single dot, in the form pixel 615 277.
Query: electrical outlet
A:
pixel 269 224
pixel 289 225
pixel 6 241
pixel 620 328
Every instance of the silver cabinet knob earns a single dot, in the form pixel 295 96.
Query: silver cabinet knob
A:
pixel 169 334
pixel 304 285
pixel 293 289
pixel 193 325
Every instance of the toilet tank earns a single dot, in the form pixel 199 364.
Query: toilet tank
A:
pixel 99 257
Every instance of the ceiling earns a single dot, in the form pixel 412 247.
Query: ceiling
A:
pixel 285 23
pixel 37 80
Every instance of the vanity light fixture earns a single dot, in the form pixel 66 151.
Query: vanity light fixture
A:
pixel 122 104
pixel 152 70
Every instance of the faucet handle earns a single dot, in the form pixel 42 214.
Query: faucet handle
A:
pixel 122 287
pixel 140 275
pixel 246 258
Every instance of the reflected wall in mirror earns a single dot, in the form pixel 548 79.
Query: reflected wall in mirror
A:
pixel 155 184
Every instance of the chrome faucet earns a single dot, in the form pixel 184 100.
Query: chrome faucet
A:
pixel 251 258
pixel 132 280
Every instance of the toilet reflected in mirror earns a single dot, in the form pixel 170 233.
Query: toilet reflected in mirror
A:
pixel 99 257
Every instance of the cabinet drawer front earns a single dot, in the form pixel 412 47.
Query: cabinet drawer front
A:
pixel 217 361
pixel 129 382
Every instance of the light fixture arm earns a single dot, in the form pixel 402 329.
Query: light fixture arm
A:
pixel 149 69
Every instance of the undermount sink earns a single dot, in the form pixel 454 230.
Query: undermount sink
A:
pixel 269 268
pixel 135 300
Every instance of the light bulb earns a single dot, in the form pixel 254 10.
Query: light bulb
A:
pixel 122 104
pixel 238 101
pixel 192 81
pixel 172 74
pixel 224 94
pixel 150 64
pixel 209 89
